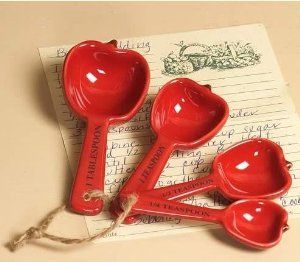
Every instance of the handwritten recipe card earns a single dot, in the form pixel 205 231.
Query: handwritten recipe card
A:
pixel 239 64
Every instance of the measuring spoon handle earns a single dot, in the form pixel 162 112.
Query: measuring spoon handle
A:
pixel 149 170
pixel 184 190
pixel 90 170
pixel 162 207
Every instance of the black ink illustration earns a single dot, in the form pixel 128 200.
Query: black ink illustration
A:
pixel 193 57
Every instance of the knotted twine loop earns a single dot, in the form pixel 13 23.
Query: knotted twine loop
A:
pixel 40 231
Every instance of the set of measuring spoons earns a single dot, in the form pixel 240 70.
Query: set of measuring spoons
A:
pixel 105 85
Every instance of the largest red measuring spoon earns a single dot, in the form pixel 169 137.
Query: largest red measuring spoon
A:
pixel 103 85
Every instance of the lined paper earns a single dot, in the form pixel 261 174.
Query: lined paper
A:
pixel 239 64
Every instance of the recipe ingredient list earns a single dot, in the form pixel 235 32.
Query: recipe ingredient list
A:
pixel 239 63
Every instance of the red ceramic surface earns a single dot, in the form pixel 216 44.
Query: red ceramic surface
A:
pixel 185 115
pixel 254 168
pixel 103 85
pixel 254 222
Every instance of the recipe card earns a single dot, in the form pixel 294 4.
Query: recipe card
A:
pixel 239 63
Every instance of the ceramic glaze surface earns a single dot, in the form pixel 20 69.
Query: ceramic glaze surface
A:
pixel 259 222
pixel 185 111
pixel 253 168
pixel 104 81
pixel 103 85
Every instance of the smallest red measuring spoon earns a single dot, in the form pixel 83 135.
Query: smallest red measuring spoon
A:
pixel 254 222
pixel 103 85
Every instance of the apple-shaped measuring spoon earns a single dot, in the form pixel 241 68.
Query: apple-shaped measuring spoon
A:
pixel 185 115
pixel 254 168
pixel 255 222
pixel 103 85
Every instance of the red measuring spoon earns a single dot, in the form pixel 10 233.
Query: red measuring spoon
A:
pixel 184 115
pixel 103 85
pixel 254 222
pixel 254 168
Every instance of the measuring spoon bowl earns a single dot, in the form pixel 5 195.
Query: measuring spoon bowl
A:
pixel 254 168
pixel 104 82
pixel 258 223
pixel 103 85
pixel 188 114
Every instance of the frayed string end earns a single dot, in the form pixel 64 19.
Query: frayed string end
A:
pixel 40 231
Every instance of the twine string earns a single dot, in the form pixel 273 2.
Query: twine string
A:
pixel 40 231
